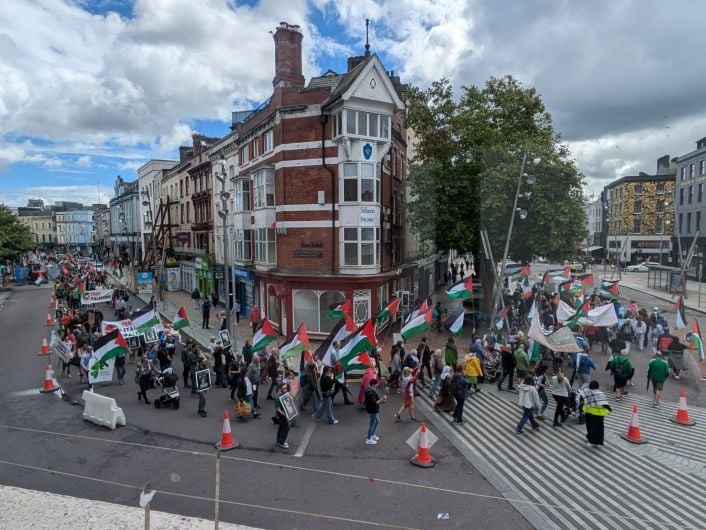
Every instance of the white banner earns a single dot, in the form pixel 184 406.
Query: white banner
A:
pixel 603 316
pixel 96 295
pixel 105 373
pixel 560 340
pixel 127 328
pixel 63 350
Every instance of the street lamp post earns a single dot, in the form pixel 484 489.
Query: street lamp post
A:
pixel 523 215
pixel 223 214
pixel 661 237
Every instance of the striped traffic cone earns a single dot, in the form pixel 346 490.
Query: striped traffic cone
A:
pixel 49 384
pixel 682 417
pixel 52 301
pixel 50 322
pixel 633 436
pixel 423 457
pixel 227 441
pixel 45 347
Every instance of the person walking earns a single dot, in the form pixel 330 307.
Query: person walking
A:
pixel 372 406
pixel 541 382
pixel 236 310
pixel 245 391
pixel 205 313
pixel 621 367
pixel 472 370
pixel 583 370
pixel 438 370
pixel 561 390
pixel 120 368
pixel 326 384
pixel 144 377
pixel 657 374
pixel 202 365
pixel 281 419
pixel 254 376
pixel 445 402
pixel 595 409
pixel 395 369
pixel 522 362
pixel 639 332
pixel 459 390
pixel 424 355
pixel 507 364
pixel 195 297
pixel 312 388
pixel 528 399
pixel 247 352
pixel 409 378
pixel 272 371
pixel 451 352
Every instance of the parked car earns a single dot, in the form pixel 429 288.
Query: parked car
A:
pixel 637 268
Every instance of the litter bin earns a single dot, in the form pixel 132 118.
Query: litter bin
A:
pixel 674 286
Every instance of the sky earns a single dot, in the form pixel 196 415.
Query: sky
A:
pixel 92 89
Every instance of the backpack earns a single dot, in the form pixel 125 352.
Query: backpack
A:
pixel 619 369
pixel 583 365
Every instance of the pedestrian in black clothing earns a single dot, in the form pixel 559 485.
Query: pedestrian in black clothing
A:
pixel 205 313
pixel 120 368
pixel 508 367
pixel 195 297
pixel 424 354
pixel 247 352
pixel 272 371
pixel 282 421
pixel 459 389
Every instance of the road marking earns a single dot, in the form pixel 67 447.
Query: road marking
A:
pixel 306 439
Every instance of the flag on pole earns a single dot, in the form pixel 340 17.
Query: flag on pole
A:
pixel 390 311
pixel 144 319
pixel 326 350
pixel 454 323
pixel 353 353
pixel 566 286
pixel 341 310
pixel 586 279
pixel 500 323
pixel 297 344
pixel 418 324
pixel 462 289
pixel 610 289
pixel 681 317
pixel 695 340
pixel 264 334
pixel 107 347
pixel 581 311
pixel 181 319
pixel 419 308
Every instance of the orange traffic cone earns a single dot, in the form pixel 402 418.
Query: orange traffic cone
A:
pixel 227 442
pixel 423 456
pixel 682 416
pixel 633 435
pixel 52 301
pixel 50 322
pixel 45 347
pixel 49 385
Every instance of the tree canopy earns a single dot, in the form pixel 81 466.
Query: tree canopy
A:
pixel 15 238
pixel 464 173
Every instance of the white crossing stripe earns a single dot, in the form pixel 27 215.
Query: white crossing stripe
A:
pixel 659 485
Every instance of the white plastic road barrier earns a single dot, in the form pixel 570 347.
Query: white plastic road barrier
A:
pixel 102 410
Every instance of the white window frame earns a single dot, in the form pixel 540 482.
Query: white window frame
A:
pixel 242 245
pixel 352 238
pixel 244 155
pixel 255 148
pixel 263 188
pixel 268 140
pixel 265 246
pixel 241 202
pixel 356 120
pixel 358 168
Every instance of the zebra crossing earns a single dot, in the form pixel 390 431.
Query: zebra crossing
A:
pixel 571 485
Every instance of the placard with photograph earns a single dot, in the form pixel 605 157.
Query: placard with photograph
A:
pixel 151 336
pixel 133 343
pixel 288 405
pixel 225 338
pixel 203 380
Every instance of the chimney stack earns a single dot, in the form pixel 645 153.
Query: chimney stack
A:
pixel 288 56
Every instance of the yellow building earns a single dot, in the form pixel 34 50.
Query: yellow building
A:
pixel 41 224
pixel 640 217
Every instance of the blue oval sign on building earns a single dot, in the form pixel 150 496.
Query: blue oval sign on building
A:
pixel 367 151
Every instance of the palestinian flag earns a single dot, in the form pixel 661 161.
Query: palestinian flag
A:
pixel 681 317
pixel 339 332
pixel 566 272
pixel 577 289
pixel 422 306
pixel 454 323
pixel 341 310
pixel 353 353
pixel 297 344
pixel 503 314
pixel 514 269
pixel 462 289
pixel 264 334
pixel 535 352
pixel 109 346
pixel 610 289
pixel 181 319
pixel 581 312
pixel 525 271
pixel 418 324
pixel 390 311
pixel 586 279
pixel 526 289
pixel 694 338
pixel 144 319
pixel 566 286
pixel 533 310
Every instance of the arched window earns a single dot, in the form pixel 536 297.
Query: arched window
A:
pixel 306 309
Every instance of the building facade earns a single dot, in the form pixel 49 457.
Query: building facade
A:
pixel 594 214
pixel 41 224
pixel 101 231
pixel 690 205
pixel 125 222
pixel 640 216
pixel 149 177
pixel 74 229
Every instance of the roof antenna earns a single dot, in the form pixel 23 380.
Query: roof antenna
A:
pixel 367 44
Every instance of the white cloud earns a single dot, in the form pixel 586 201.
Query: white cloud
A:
pixel 87 194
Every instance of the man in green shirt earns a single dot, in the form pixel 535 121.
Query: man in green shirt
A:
pixel 521 362
pixel 657 373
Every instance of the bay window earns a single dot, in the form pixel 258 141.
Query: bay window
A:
pixel 242 196
pixel 361 246
pixel 360 123
pixel 265 246
pixel 361 182
pixel 242 241
pixel 264 187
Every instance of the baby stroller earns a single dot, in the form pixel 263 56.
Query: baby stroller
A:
pixel 572 407
pixel 167 381
pixel 490 365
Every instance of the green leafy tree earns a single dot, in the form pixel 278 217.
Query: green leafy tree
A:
pixel 467 161
pixel 15 238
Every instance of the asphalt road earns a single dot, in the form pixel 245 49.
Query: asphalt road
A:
pixel 338 481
